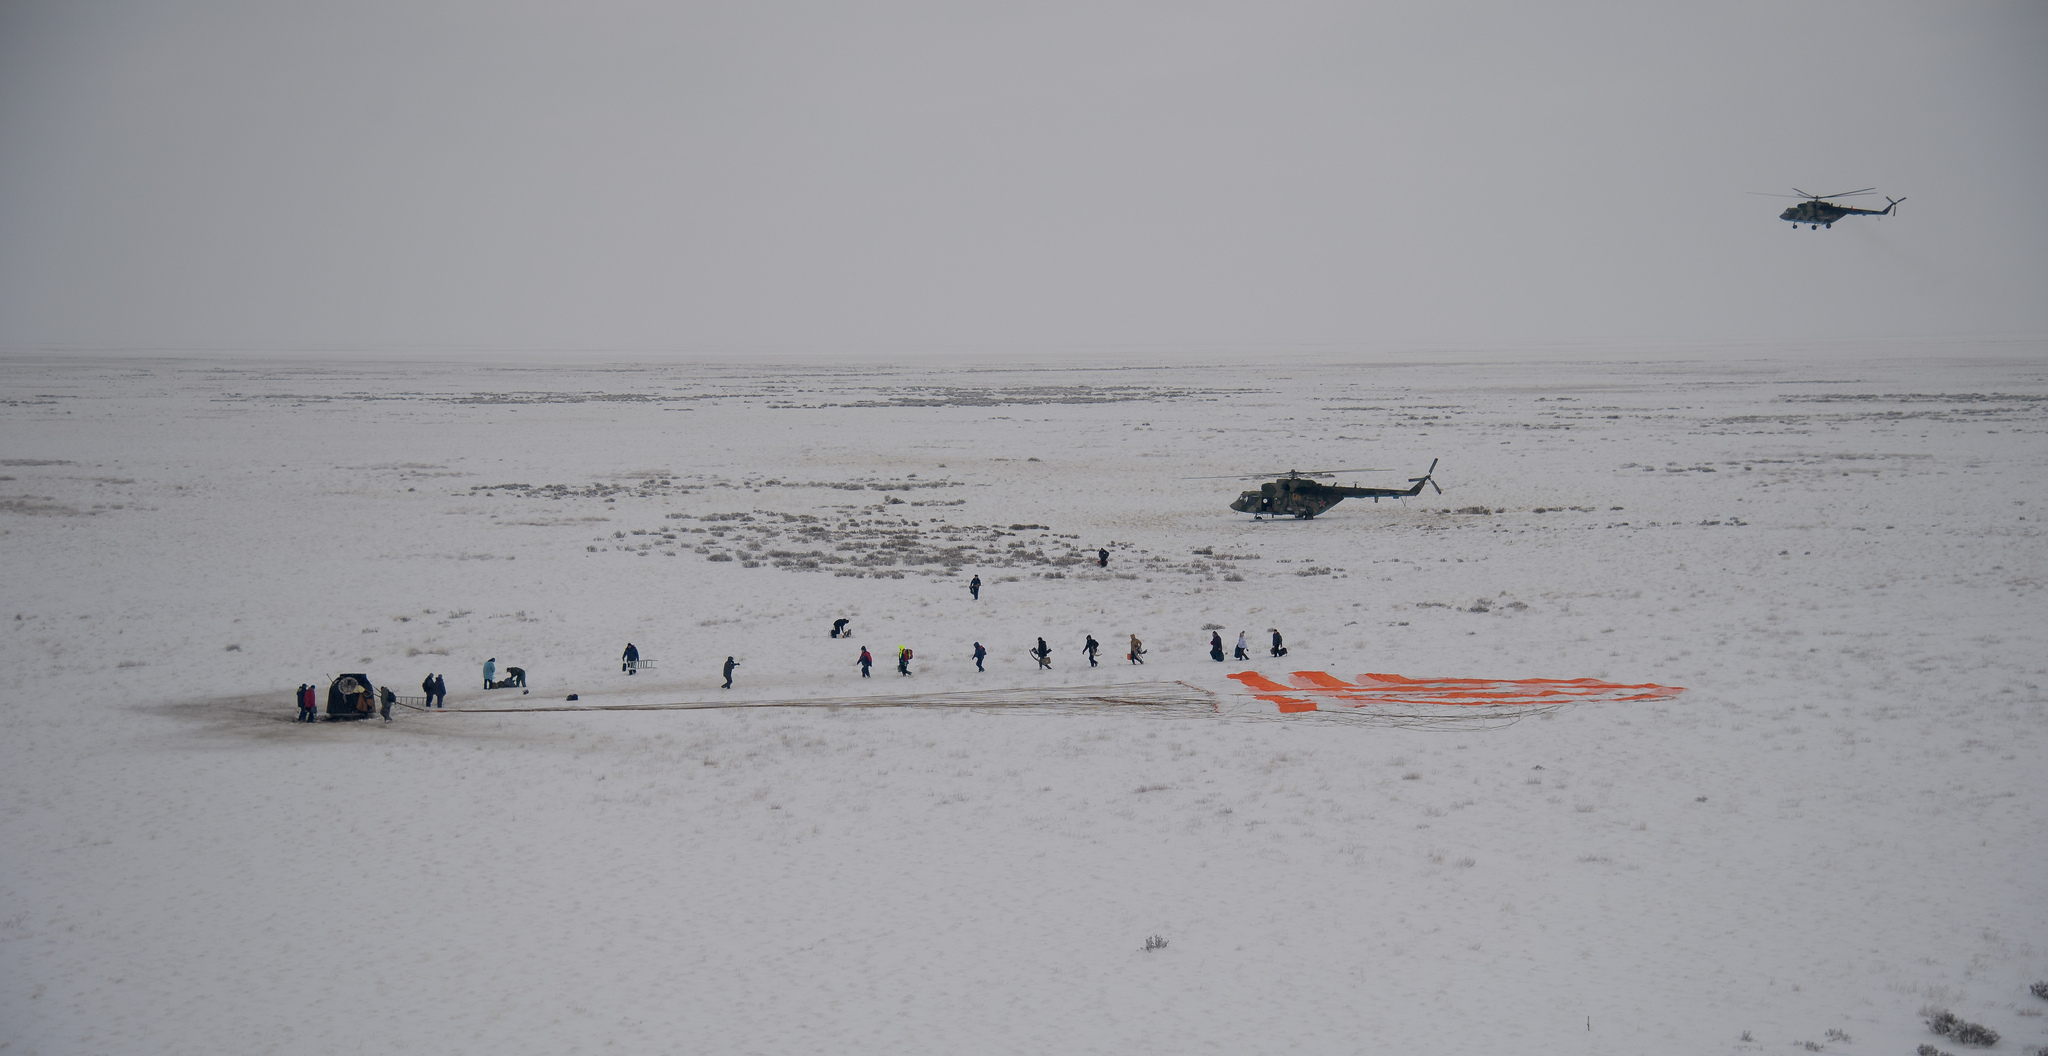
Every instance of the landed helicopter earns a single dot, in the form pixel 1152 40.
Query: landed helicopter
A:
pixel 1299 495
pixel 1816 213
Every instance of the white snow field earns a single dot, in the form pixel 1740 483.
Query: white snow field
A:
pixel 1837 553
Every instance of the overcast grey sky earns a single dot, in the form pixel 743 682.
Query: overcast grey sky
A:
pixel 743 176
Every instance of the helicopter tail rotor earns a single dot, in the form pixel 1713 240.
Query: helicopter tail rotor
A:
pixel 1428 478
pixel 1892 209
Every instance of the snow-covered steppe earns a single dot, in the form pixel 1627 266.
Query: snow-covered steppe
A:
pixel 1837 552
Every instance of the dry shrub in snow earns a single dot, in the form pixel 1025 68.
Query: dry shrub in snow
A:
pixel 1961 1031
pixel 2040 990
pixel 1154 942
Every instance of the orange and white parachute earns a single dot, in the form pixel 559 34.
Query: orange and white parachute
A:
pixel 1317 690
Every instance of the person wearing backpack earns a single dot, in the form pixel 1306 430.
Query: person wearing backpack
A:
pixel 979 655
pixel 902 659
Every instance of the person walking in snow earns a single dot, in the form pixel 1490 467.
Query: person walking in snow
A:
pixel 1044 654
pixel 1278 649
pixel 427 688
pixel 1090 647
pixel 866 662
pixel 1102 558
pixel 730 663
pixel 1243 647
pixel 629 661
pixel 902 659
pixel 1216 646
pixel 440 692
pixel 974 588
pixel 1137 650
pixel 306 711
pixel 979 655
pixel 386 698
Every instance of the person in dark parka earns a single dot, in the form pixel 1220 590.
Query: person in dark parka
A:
pixel 1043 653
pixel 730 663
pixel 839 627
pixel 629 661
pixel 974 588
pixel 1216 646
pixel 866 662
pixel 440 692
pixel 1091 646
pixel 979 655
pixel 1278 649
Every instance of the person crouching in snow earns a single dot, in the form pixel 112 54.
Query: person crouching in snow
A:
pixel 730 663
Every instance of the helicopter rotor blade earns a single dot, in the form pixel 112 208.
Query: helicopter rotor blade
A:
pixel 1428 477
pixel 1847 194
pixel 1282 474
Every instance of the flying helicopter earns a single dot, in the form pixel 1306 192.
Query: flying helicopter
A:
pixel 1300 495
pixel 1815 212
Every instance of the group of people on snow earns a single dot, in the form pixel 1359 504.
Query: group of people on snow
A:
pixel 435 687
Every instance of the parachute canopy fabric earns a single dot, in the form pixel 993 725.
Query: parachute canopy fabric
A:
pixel 1316 690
